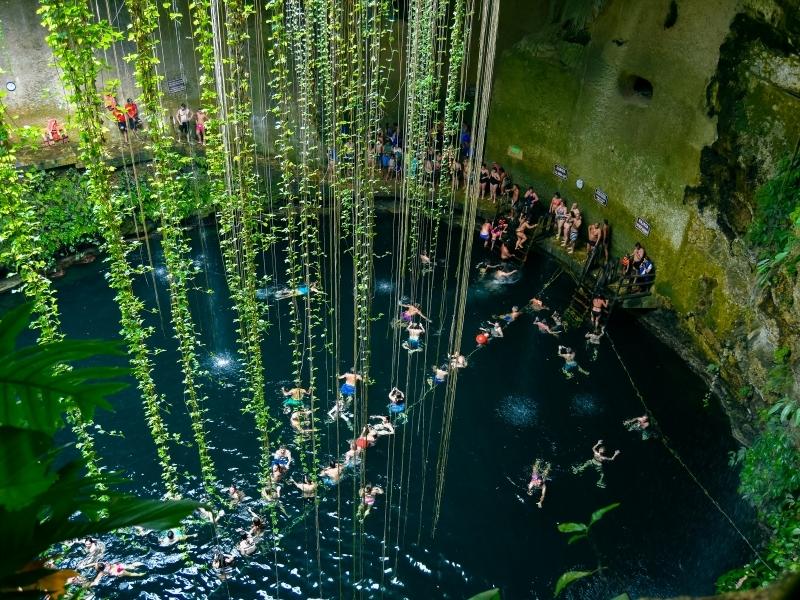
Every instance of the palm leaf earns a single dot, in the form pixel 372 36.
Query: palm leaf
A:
pixel 598 514
pixel 488 595
pixel 568 578
pixel 12 324
pixel 572 527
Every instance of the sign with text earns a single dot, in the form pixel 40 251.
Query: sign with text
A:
pixel 175 86
pixel 601 197
pixel 642 225
pixel 560 171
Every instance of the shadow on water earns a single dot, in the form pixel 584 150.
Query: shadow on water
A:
pixel 513 405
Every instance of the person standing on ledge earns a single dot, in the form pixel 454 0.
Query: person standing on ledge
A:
pixel 183 117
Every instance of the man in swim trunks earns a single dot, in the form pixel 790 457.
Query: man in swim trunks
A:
pixel 351 378
pixel 544 327
pixel 598 458
pixel 411 310
pixel 396 396
pixel 536 305
pixel 570 365
pixel 592 237
pixel 599 304
pixel 413 343
pixel 439 375
pixel 458 361
pixel 307 487
pixel 282 456
pixel 486 233
pixel 293 398
pixel 339 410
pixel 331 474
pixel 512 316
pixel 640 424
pixel 493 329
pixel 539 474
pixel 383 427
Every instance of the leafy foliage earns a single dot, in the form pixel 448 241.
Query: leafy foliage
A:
pixel 770 480
pixel 43 498
pixel 488 595
pixel 568 578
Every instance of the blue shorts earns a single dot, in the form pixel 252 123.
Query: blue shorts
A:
pixel 484 235
pixel 397 408
pixel 570 366
pixel 347 389
pixel 437 381
pixel 413 342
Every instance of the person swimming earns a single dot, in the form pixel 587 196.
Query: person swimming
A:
pixel 331 474
pixel 301 290
pixel 246 545
pixel 116 570
pixel 599 457
pixel 368 495
pixel 512 316
pixel 282 456
pixel 222 564
pixel 299 421
pixel 544 327
pixel 413 343
pixel 458 361
pixel 339 410
pixel 439 375
pixel 293 398
pixel 570 364
pixel 307 487
pixel 235 494
pixel 410 311
pixel 493 329
pixel 174 536
pixel 383 427
pixel 539 474
pixel 640 424
pixel 351 378
pixel 535 304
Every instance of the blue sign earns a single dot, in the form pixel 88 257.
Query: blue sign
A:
pixel 642 225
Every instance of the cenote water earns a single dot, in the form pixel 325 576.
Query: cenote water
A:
pixel 513 404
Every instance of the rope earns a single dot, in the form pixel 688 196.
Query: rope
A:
pixel 664 440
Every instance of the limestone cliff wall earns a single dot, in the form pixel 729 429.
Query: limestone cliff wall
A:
pixel 678 121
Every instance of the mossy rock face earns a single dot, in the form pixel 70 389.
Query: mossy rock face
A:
pixel 679 125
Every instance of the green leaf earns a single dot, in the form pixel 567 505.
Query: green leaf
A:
pixel 598 514
pixel 572 527
pixel 576 538
pixel 488 595
pixel 14 321
pixel 568 578
pixel 23 473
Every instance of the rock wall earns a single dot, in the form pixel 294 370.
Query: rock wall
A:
pixel 678 120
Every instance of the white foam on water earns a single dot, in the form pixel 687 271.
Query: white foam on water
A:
pixel 585 405
pixel 518 410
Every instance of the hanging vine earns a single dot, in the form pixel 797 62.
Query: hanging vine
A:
pixel 166 188
pixel 73 37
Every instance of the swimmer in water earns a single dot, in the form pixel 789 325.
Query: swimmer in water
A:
pixel 512 316
pixel 307 487
pixel 439 375
pixel 368 494
pixel 282 456
pixel 278 471
pixel 246 545
pixel 593 337
pixel 413 343
pixel 293 398
pixel 493 329
pixel 173 537
pixel 209 516
pixel 396 396
pixel 339 410
pixel 271 494
pixel 544 327
pixel 640 424
pixel 351 378
pixel 235 494
pixel 222 564
pixel 599 457
pixel 383 427
pixel 570 365
pixel 536 305
pixel 458 361
pixel 116 570
pixel 299 422
pixel 599 305
pixel 353 456
pixel 301 290
pixel 410 311
pixel 257 527
pixel 539 474
pixel 486 233
pixel 331 474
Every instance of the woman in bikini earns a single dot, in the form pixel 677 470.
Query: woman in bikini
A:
pixel 539 474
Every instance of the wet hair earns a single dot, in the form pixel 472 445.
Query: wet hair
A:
pixel 243 536
pixel 257 522
pixel 128 100
pixel 88 540
pixel 557 195
pixel 170 534
pixel 332 464
pixel 101 566
pixel 637 245
pixel 183 105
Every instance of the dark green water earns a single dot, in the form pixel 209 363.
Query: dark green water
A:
pixel 513 405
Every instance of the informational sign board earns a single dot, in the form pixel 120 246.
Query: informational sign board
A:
pixel 601 197
pixel 515 152
pixel 642 225
pixel 560 171
pixel 176 86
